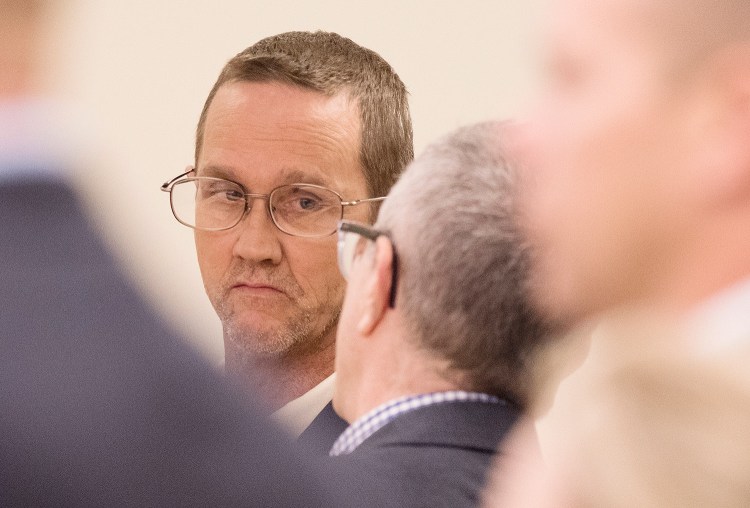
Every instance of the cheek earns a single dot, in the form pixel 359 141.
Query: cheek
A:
pixel 214 252
pixel 593 163
pixel 586 188
pixel 313 264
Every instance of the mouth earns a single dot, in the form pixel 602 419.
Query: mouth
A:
pixel 257 288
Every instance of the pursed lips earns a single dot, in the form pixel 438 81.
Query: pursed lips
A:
pixel 257 287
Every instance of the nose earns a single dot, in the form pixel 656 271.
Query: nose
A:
pixel 257 235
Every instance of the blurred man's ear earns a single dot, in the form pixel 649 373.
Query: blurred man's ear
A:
pixel 377 287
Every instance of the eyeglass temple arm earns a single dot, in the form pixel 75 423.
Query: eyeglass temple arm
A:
pixel 362 230
pixel 165 187
pixel 365 200
pixel 372 234
pixel 394 280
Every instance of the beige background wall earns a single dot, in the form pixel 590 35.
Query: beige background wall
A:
pixel 138 72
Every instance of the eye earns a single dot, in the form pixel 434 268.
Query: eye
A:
pixel 304 200
pixel 220 190
pixel 232 195
pixel 307 203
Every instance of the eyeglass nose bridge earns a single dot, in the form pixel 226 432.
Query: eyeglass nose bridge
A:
pixel 249 198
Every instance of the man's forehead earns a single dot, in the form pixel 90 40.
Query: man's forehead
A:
pixel 291 100
pixel 587 14
pixel 611 31
pixel 666 21
pixel 256 113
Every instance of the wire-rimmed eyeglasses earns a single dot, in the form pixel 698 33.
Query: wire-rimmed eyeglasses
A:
pixel 351 243
pixel 215 204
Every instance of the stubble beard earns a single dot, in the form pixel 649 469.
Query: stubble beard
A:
pixel 299 333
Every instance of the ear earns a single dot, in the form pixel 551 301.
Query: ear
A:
pixel 724 158
pixel 377 287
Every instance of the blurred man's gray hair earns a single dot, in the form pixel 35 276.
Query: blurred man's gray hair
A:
pixel 463 263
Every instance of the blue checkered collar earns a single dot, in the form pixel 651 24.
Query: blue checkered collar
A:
pixel 376 419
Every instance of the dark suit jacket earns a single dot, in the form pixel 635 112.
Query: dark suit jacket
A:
pixel 100 404
pixel 435 456
pixel 319 436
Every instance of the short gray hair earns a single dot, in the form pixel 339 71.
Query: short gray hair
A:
pixel 463 265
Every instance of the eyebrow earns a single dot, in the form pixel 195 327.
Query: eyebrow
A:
pixel 294 175
pixel 216 172
pixel 287 175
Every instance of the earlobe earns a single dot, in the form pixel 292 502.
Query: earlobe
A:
pixel 377 287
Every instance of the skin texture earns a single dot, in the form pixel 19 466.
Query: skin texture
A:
pixel 628 156
pixel 278 296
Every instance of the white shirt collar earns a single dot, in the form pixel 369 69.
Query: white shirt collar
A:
pixel 299 413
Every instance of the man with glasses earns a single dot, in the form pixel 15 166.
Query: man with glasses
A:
pixel 299 131
pixel 435 334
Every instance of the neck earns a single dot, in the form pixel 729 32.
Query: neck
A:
pixel 393 371
pixel 715 260
pixel 279 379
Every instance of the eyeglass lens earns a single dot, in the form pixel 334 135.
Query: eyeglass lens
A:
pixel 217 204
pixel 350 245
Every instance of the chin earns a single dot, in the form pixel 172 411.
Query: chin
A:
pixel 260 342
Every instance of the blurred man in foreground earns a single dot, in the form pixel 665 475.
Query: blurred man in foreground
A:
pixel 435 336
pixel 639 160
pixel 638 190
pixel 637 193
pixel 300 130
